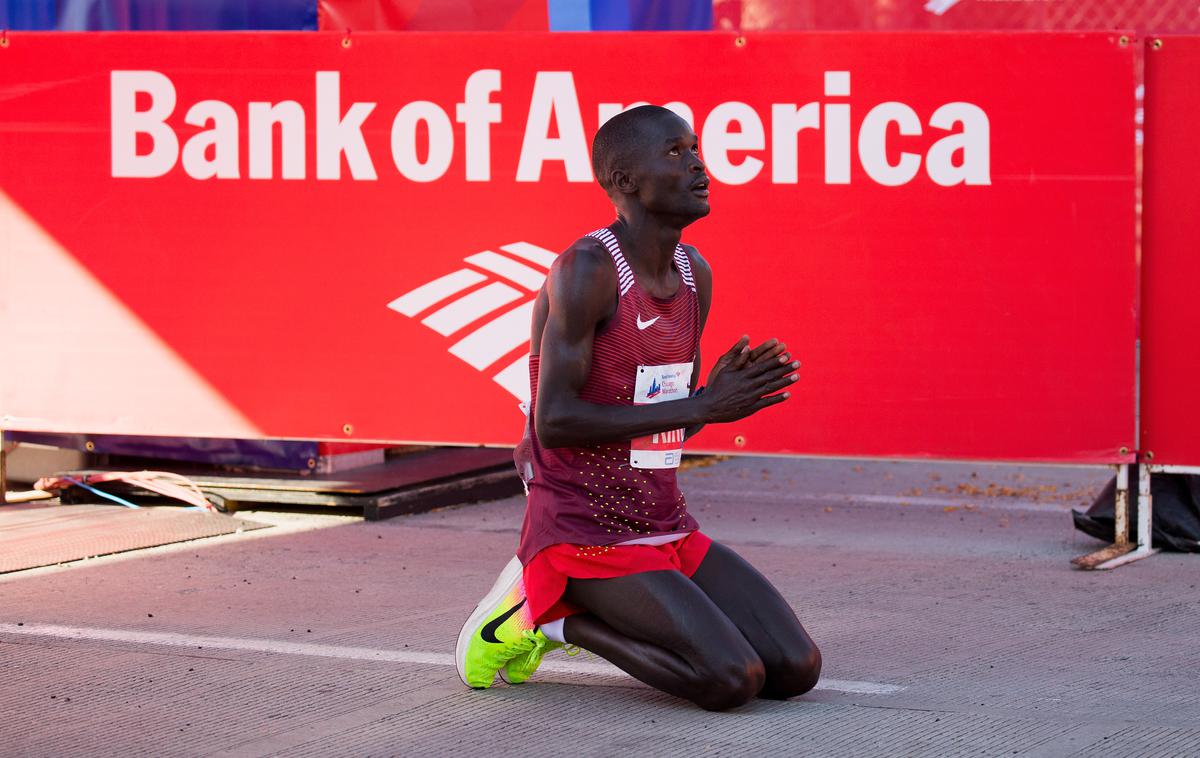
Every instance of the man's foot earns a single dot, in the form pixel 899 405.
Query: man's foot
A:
pixel 522 667
pixel 498 630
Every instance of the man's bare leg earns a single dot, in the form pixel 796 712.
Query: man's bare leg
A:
pixel 792 660
pixel 661 628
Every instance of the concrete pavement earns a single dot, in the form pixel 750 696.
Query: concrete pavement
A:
pixel 941 595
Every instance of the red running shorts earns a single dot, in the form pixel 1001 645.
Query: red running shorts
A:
pixel 546 575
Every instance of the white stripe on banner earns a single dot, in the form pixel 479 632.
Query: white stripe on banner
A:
pixel 439 289
pixel 533 253
pixel 495 339
pixel 169 639
pixel 470 308
pixel 515 378
pixel 528 278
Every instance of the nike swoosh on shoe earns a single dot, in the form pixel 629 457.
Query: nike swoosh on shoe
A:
pixel 488 633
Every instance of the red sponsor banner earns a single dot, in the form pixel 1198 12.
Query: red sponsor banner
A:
pixel 1170 404
pixel 313 236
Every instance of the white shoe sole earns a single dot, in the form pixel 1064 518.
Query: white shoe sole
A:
pixel 504 584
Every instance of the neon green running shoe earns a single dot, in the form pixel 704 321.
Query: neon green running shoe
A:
pixel 499 629
pixel 522 667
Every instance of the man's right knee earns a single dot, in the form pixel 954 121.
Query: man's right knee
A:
pixel 730 683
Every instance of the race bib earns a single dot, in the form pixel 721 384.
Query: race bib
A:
pixel 658 384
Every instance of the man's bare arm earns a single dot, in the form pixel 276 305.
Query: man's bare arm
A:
pixel 580 290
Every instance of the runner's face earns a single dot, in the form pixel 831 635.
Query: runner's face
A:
pixel 672 179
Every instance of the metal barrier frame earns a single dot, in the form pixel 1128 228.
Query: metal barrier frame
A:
pixel 1123 551
pixel 3 470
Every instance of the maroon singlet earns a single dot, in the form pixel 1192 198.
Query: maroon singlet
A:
pixel 609 493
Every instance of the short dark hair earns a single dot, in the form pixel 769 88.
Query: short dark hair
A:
pixel 618 140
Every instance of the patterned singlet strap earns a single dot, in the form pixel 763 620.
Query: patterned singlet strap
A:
pixel 685 267
pixel 624 273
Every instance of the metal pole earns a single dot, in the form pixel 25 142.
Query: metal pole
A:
pixel 3 470
pixel 1145 509
pixel 1121 511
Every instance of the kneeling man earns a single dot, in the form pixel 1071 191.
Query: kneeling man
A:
pixel 610 559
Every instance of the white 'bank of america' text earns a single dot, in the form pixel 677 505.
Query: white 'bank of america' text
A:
pixel 739 145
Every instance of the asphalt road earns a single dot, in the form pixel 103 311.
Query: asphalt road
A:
pixel 949 618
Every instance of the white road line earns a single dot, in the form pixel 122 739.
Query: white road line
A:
pixel 470 308
pixel 530 279
pixel 852 499
pixel 412 303
pixel 858 688
pixel 170 639
pixel 533 253
pixel 495 339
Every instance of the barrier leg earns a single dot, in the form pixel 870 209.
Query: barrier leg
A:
pixel 1145 523
pixel 3 471
pixel 1121 511
pixel 1121 546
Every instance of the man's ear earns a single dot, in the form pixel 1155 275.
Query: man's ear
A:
pixel 623 182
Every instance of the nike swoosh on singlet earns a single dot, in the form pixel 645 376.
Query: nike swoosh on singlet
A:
pixel 488 633
pixel 645 324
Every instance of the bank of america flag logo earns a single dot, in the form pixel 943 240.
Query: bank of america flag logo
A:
pixel 456 304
